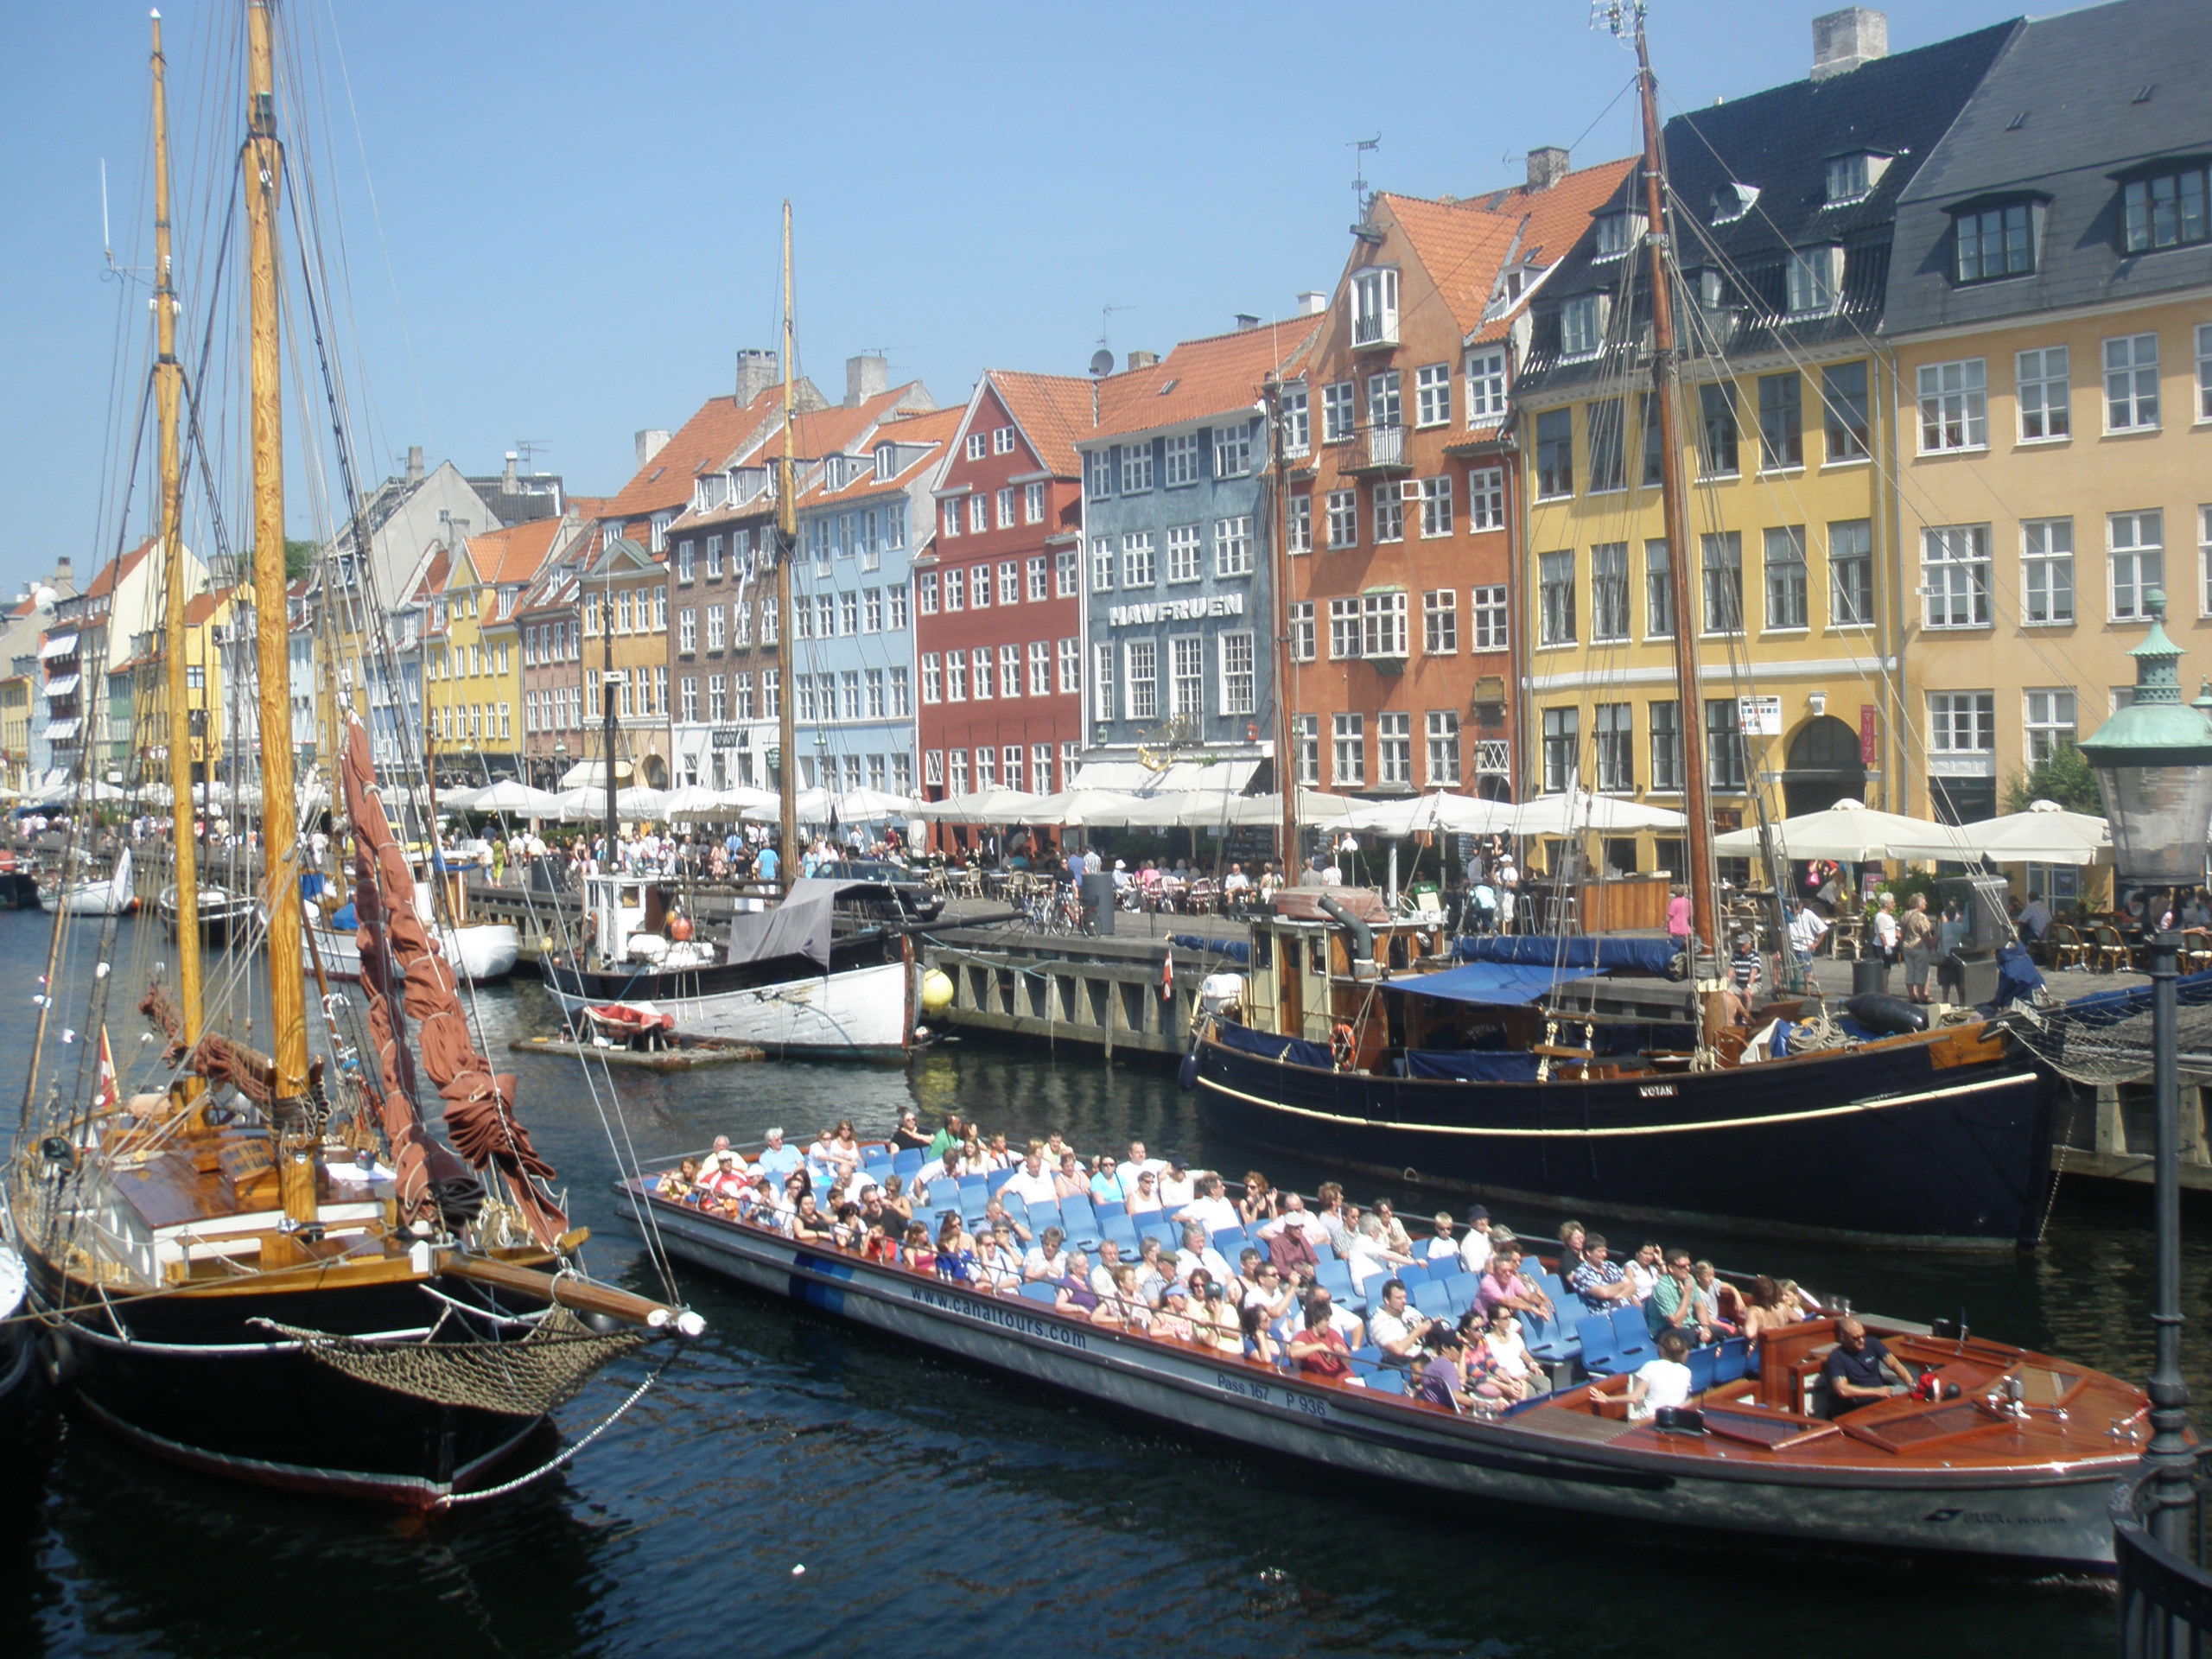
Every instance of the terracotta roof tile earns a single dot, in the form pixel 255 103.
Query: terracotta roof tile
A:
pixel 1052 410
pixel 115 570
pixel 1214 375
pixel 664 484
pixel 514 554
pixel 201 607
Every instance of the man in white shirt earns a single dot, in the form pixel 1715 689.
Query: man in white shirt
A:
pixel 998 1264
pixel 1178 1185
pixel 1396 1329
pixel 1211 1209
pixel 1196 1253
pixel 776 1159
pixel 1475 1243
pixel 1661 1381
pixel 1032 1182
pixel 1102 1275
pixel 1806 926
pixel 1136 1164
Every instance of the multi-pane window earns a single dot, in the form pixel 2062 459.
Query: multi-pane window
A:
pixel 958 774
pixel 979 587
pixel 1722 559
pixel 894 527
pixel 1232 546
pixel 1487 621
pixel 1383 623
pixel 1300 619
pixel 1306 736
pixel 687 628
pixel 1298 526
pixel 1374 305
pixel 2204 371
pixel 1186 681
pixel 1232 451
pixel 1851 573
pixel 1184 560
pixel 1850 177
pixel 2204 556
pixel 1394 749
pixel 873 704
pixel 2045 387
pixel 1098 469
pixel 1725 759
pixel 1070 656
pixel 925 592
pixel 1101 565
pixel 714 558
pixel 1717 430
pixel 848 613
pixel 986 767
pixel 979 668
pixel 956 590
pixel 1388 506
pixel 2047 571
pixel 1032 504
pixel 741 692
pixel 1555 452
pixel 1040 768
pixel 1002 441
pixel 2139 561
pixel 1782 421
pixel 2131 383
pixel 1608 464
pixel 955 676
pixel 1010 759
pixel 1613 733
pixel 1954 405
pixel 1181 465
pixel 1064 581
pixel 771 619
pixel 1137 559
pixel 1009 670
pixel 1005 508
pixel 1562 748
pixel 1349 732
pixel 1443 732
pixel 1609 591
pixel 848 686
pixel 1140 661
pixel 2166 211
pixel 825 616
pixel 1962 722
pixel 1995 242
pixel 1384 402
pixel 1136 468
pixel 1439 616
pixel 1237 693
pixel 1954 575
pixel 683 560
pixel 979 514
pixel 1102 681
pixel 717 698
pixel 2048 722
pixel 1040 668
pixel 1435 506
pixel 1297 420
pixel 1433 394
pixel 1582 325
pixel 1667 747
pixel 1813 280
pixel 1555 598
pixel 1338 421
pixel 1344 628
pixel 976 445
pixel 932 678
pixel 1487 498
pixel 1486 386
pixel 872 610
pixel 1785 576
pixel 1040 579
pixel 1344 518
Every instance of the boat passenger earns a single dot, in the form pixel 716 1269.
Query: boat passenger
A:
pixel 1500 1355
pixel 1032 1182
pixel 1661 1381
pixel 1106 1182
pixel 1216 1319
pixel 956 1258
pixel 1260 1284
pixel 951 1134
pixel 895 1200
pixel 1796 1302
pixel 1173 1319
pixel 1144 1200
pixel 1260 1202
pixel 808 1224
pixel 1394 1231
pixel 1179 1185
pixel 917 1253
pixel 1398 1330
pixel 1076 1295
pixel 1127 1307
pixel 1859 1370
pixel 1572 1236
pixel 776 1158
pixel 1329 1208
pixel 1136 1164
pixel 1672 1304
pixel 995 1219
pixel 909 1136
pixel 1291 1238
pixel 1745 973
pixel 1602 1284
pixel 1442 1382
pixel 1211 1209
pixel 822 1161
pixel 1068 1180
pixel 997 1155
pixel 1442 1246
pixel 879 1245
pixel 1154 1274
pixel 998 1263
pixel 1259 1341
pixel 1107 1271
pixel 1477 1244
pixel 1319 1349
pixel 1046 1263
pixel 724 1174
pixel 681 1182
pixel 1646 1269
pixel 1370 1255
pixel 1719 1303
pixel 847 1230
pixel 1765 1310
pixel 975 1156
pixel 1197 1255
pixel 945 1171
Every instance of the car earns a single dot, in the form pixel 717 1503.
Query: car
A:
pixel 911 897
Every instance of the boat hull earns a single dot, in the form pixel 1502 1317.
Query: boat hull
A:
pixel 857 1013
pixel 2037 1515
pixel 480 952
pixel 222 916
pixel 1875 1147
pixel 197 1383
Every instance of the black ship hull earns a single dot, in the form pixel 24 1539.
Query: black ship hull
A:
pixel 1876 1146
pixel 200 1384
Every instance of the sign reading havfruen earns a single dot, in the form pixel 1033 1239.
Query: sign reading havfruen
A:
pixel 1176 610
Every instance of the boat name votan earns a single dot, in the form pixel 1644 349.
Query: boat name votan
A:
pixel 1009 1317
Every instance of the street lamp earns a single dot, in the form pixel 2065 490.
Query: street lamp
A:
pixel 2153 761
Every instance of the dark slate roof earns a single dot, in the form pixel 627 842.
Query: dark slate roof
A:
pixel 1781 141
pixel 2075 79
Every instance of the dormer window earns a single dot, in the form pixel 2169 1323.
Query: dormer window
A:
pixel 1375 306
pixel 1993 241
pixel 1815 279
pixel 1733 201
pixel 1852 177
pixel 886 463
pixel 1582 325
pixel 2166 209
pixel 1617 233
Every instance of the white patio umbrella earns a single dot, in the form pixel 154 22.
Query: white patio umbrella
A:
pixel 1439 812
pixel 638 805
pixel 868 805
pixel 459 800
pixel 586 774
pixel 694 801
pixel 2045 834
pixel 518 800
pixel 581 806
pixel 1570 814
pixel 1852 832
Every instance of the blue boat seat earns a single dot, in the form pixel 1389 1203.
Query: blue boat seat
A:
pixel 1334 1277
pixel 977 1180
pixel 1636 1343
pixel 1114 1207
pixel 1600 1346
pixel 1433 1300
pixel 998 1177
pixel 1118 1228
pixel 1162 1230
pixel 1701 1363
pixel 1462 1288
pixel 906 1160
pixel 1733 1362
pixel 1389 1380
pixel 1077 1209
pixel 1548 1344
pixel 1047 1294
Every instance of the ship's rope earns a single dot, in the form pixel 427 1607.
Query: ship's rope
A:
pixel 528 1377
pixel 560 1458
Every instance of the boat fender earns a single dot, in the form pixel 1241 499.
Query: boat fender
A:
pixel 1888 1015
pixel 60 1354
pixel 1187 1075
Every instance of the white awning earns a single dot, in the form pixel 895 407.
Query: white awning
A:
pixel 62 731
pixel 62 644
pixel 1224 777
pixel 65 686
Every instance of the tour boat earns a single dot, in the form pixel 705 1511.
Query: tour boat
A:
pixel 219 914
pixel 111 895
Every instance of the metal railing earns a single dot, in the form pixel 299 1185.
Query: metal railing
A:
pixel 1385 446
pixel 2165 1591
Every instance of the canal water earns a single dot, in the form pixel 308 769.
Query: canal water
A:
pixel 936 1509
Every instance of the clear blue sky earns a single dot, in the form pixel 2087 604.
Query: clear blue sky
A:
pixel 578 201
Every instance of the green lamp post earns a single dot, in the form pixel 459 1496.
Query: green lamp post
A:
pixel 2153 761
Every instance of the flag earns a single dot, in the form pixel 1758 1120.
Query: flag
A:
pixel 1168 976
pixel 111 1097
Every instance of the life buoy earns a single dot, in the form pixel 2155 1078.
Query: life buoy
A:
pixel 679 927
pixel 1342 1046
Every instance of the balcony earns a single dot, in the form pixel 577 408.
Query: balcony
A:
pixel 2165 1595
pixel 1381 453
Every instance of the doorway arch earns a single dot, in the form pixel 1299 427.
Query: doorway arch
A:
pixel 1824 767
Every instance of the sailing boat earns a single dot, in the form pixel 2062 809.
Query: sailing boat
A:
pixel 266 1264
pixel 1363 1053
pixel 109 895
pixel 793 980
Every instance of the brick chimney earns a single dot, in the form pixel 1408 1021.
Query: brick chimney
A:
pixel 1143 359
pixel 865 376
pixel 651 442
pixel 414 463
pixel 1547 165
pixel 1844 40
pixel 756 373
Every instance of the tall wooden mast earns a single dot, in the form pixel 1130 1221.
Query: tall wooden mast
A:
pixel 786 550
pixel 262 176
pixel 169 398
pixel 1279 559
pixel 1704 913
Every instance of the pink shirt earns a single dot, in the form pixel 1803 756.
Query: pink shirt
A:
pixel 1678 916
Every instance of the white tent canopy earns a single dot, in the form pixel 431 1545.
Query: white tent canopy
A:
pixel 592 774
pixel 1440 812
pixel 1571 814
pixel 1852 832
pixel 516 800
pixel 2045 834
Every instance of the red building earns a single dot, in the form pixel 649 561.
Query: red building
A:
pixel 998 596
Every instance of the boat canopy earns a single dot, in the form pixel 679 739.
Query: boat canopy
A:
pixel 1600 954
pixel 1496 984
pixel 797 927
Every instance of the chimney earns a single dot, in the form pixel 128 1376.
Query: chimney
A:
pixel 1844 40
pixel 507 480
pixel 756 373
pixel 1547 165
pixel 651 442
pixel 414 463
pixel 1142 359
pixel 1312 303
pixel 63 571
pixel 1246 320
pixel 865 376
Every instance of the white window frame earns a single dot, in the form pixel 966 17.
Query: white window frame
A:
pixel 1582 319
pixel 1954 400
pixel 1071 655
pixel 1973 714
pixel 2043 387
pixel 1342 519
pixel 1138 564
pixel 1348 749
pixel 1486 385
pixel 1232 546
pixel 1485 498
pixel 1439 622
pixel 1238 673
pixel 1299 619
pixel 1955 576
pixel 1489 619
pixel 2131 384
pixel 1185 554
pixel 2050 715
pixel 1140 679
pixel 1433 395
pixel 1375 306
pixel 1814 285
pixel 2048 587
pixel 2137 561
pixel 1180 467
pixel 1187 674
pixel 1298 529
pixel 1435 507
pixel 1441 728
pixel 1339 413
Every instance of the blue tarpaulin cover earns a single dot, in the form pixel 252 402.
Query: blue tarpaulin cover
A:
pixel 1294 1050
pixel 1468 1066
pixel 1600 954
pixel 1235 949
pixel 1496 983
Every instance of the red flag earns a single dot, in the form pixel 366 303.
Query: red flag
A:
pixel 110 1095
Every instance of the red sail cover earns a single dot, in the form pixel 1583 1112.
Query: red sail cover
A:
pixel 402 968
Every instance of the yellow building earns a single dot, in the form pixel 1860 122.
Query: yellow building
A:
pixel 2051 312
pixel 1786 203
pixel 472 655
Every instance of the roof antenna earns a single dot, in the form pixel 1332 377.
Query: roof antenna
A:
pixel 1360 147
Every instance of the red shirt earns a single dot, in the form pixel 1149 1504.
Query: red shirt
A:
pixel 1333 1360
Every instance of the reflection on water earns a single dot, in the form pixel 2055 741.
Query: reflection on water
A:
pixel 935 1507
